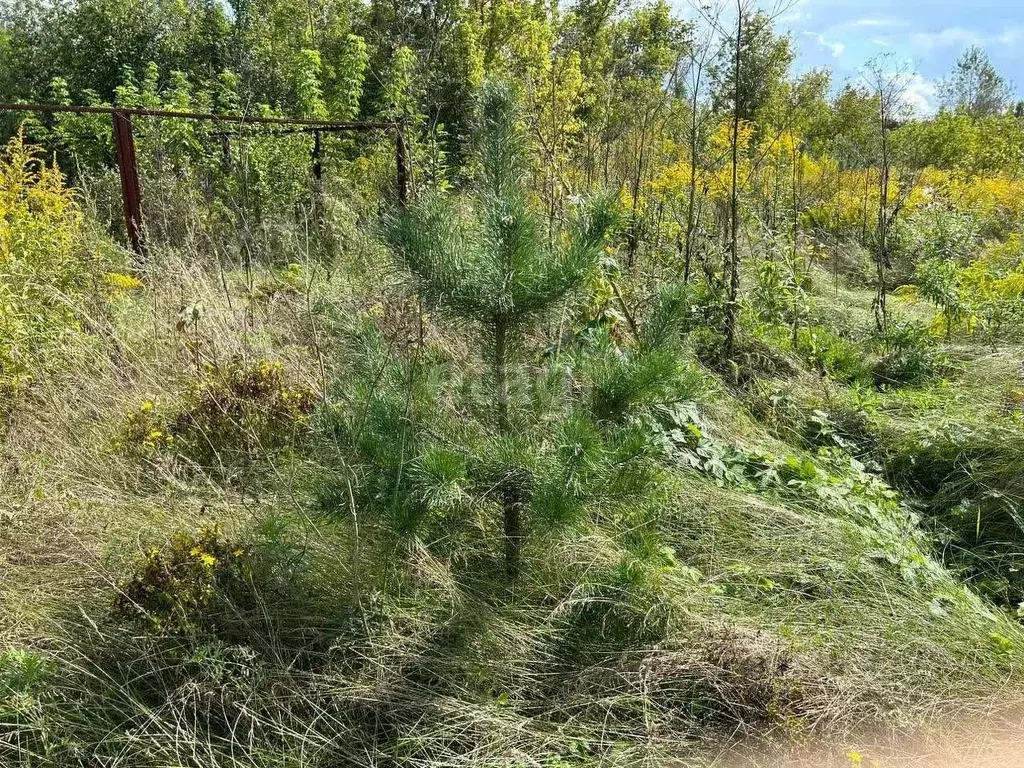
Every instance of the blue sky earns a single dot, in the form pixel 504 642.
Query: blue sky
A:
pixel 844 34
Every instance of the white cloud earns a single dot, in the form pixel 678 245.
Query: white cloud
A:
pixel 795 12
pixel 917 94
pixel 949 37
pixel 960 37
pixel 789 18
pixel 876 23
pixel 836 48
pixel 1011 36
pixel 920 95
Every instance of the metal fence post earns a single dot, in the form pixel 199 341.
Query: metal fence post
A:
pixel 124 144
pixel 127 166
pixel 402 161
pixel 318 160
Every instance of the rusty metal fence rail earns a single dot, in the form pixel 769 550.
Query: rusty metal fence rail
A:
pixel 127 163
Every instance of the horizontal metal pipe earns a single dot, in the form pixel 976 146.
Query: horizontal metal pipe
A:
pixel 304 129
pixel 237 119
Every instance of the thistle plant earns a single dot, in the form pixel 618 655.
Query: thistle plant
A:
pixel 486 259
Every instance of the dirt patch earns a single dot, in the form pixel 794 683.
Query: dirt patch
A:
pixel 995 740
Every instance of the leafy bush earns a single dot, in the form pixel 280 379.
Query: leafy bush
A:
pixel 22 723
pixel 986 294
pixel 829 353
pixel 830 478
pixel 236 416
pixel 652 372
pixel 839 424
pixel 247 411
pixel 145 431
pixel 908 357
pixel 174 589
pixel 51 269
pixel 937 282
pixel 932 232
pixel 783 287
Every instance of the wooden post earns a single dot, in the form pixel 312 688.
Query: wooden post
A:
pixel 402 160
pixel 127 166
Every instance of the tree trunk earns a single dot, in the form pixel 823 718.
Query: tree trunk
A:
pixel 501 374
pixel 514 495
pixel 512 487
pixel 881 256
pixel 692 193
pixel 835 248
pixel 633 234
pixel 731 305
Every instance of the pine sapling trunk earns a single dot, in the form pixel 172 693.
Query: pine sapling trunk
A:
pixel 514 493
pixel 501 374
pixel 511 487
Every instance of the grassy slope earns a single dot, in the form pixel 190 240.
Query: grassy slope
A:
pixel 783 619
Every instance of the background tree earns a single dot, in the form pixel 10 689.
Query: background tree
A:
pixel 701 53
pixel 749 81
pixel 975 87
pixel 751 69
pixel 740 105
pixel 648 49
pixel 888 80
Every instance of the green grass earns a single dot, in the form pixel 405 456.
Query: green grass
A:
pixel 776 613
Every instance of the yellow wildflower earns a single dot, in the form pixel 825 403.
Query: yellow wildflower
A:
pixel 122 282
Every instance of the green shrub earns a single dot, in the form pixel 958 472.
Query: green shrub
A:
pixel 769 348
pixel 247 411
pixel 175 589
pixel 652 372
pixel 52 272
pixel 23 675
pixel 243 413
pixel 784 281
pixel 909 356
pixel 987 294
pixel 937 282
pixel 145 431
pixel 932 233
pixel 840 424
pixel 831 354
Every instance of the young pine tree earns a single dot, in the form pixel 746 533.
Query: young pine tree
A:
pixel 487 260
